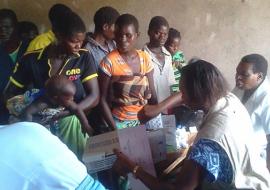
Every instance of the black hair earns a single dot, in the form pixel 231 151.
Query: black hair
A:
pixel 204 83
pixel 173 33
pixel 259 63
pixel 8 13
pixel 71 25
pixel 26 26
pixel 156 22
pixel 105 15
pixel 127 19
pixel 57 14
pixel 57 85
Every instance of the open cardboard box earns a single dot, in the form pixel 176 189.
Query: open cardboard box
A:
pixel 133 142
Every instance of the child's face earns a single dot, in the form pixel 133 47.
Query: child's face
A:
pixel 125 38
pixel 65 100
pixel 159 36
pixel 64 97
pixel 174 45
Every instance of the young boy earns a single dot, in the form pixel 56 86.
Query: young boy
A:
pixel 101 42
pixel 59 91
pixel 178 60
pixel 160 57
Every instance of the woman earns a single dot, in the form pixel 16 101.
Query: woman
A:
pixel 222 156
pixel 129 73
pixel 67 58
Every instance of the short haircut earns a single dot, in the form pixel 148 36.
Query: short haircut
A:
pixel 204 83
pixel 58 85
pixel 172 34
pixel 105 15
pixel 259 63
pixel 156 22
pixel 8 13
pixel 57 14
pixel 26 26
pixel 127 19
pixel 71 25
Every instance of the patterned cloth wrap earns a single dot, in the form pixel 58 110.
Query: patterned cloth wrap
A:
pixel 121 124
pixel 213 158
pixel 47 115
pixel 17 104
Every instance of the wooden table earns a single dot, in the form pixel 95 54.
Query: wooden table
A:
pixel 174 159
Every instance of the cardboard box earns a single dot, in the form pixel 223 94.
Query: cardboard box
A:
pixel 133 142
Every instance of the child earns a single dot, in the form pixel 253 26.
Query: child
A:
pixel 59 91
pixel 178 60
pixel 160 57
pixel 100 43
pixel 129 72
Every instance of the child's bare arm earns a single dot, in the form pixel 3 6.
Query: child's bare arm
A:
pixel 35 107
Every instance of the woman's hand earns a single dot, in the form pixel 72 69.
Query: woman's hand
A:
pixel 123 165
pixel 86 128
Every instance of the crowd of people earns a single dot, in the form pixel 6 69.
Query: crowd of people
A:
pixel 81 83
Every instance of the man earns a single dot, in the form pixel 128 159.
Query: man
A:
pixel 33 158
pixel 253 89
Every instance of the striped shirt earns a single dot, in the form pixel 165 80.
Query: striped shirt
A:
pixel 130 91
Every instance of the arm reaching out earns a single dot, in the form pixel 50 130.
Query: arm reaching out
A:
pixel 151 111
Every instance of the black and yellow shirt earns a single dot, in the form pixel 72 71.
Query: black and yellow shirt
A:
pixel 35 67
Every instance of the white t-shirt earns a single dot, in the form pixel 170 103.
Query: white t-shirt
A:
pixel 32 158
pixel 163 74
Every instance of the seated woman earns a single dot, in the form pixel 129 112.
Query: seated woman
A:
pixel 129 73
pixel 253 89
pixel 222 156
pixel 67 58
